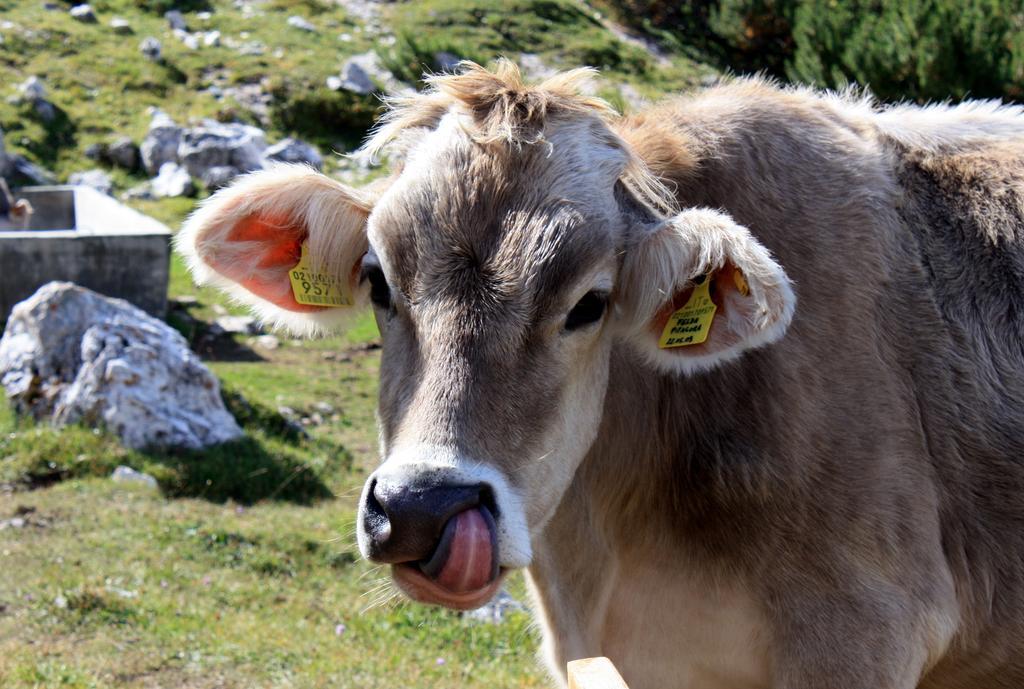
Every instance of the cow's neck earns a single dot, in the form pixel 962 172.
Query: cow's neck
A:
pixel 652 491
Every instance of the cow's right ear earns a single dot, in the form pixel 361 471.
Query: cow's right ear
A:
pixel 249 238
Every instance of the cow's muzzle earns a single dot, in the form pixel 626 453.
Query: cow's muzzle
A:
pixel 441 539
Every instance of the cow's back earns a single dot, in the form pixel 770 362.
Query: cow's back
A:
pixel 963 213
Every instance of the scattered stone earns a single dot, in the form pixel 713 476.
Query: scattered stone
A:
pixel 211 39
pixel 84 14
pixel 176 20
pixel 216 144
pixel 32 89
pixel 140 192
pixel 447 61
pixel 345 37
pixel 495 611
pixel 121 26
pixel 151 49
pixel 123 153
pixel 97 179
pixel 60 602
pixel 125 474
pixel 325 408
pixel 184 301
pixel 51 6
pixel 294 151
pixel 219 176
pixel 534 68
pixel 252 48
pixel 204 16
pixel 301 23
pixel 268 342
pixel 238 325
pixel 287 412
pixel 190 40
pixel 355 77
pixel 95 152
pixel 334 83
pixel 172 181
pixel 161 143
pixel 75 356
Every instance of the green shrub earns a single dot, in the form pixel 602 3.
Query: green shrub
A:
pixel 320 114
pixel 916 49
pixel 919 49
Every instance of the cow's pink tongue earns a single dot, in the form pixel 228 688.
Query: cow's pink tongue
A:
pixel 465 558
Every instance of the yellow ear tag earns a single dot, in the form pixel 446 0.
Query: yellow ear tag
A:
pixel 691 323
pixel 317 289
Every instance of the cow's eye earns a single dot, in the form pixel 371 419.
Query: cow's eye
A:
pixel 588 310
pixel 380 293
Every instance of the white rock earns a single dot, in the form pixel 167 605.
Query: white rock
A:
pixel 124 153
pixel 176 20
pixel 97 179
pixel 495 611
pixel 151 48
pixel 125 474
pixel 211 39
pixel 301 23
pixel 215 144
pixel 294 151
pixel 355 78
pixel 244 325
pixel 268 342
pixel 252 48
pixel 75 356
pixel 534 68
pixel 161 143
pixel 83 13
pixel 190 40
pixel 120 26
pixel 32 89
pixel 219 176
pixel 173 180
pixel 334 83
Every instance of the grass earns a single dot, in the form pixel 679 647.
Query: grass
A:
pixel 224 578
pixel 240 570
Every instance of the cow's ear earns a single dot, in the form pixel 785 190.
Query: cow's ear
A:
pixel 697 289
pixel 287 241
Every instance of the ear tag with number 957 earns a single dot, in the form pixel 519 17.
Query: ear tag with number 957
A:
pixel 317 289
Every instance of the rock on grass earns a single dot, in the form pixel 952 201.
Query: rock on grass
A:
pixel 74 356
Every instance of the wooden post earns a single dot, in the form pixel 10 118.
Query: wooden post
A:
pixel 594 673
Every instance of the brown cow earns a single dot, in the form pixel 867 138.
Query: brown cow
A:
pixel 595 368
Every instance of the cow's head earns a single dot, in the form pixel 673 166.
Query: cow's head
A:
pixel 518 243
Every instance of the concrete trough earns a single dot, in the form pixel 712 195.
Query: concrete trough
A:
pixel 82 236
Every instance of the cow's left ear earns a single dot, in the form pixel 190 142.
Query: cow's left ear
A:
pixel 697 289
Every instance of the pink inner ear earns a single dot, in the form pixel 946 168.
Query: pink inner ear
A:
pixel 274 245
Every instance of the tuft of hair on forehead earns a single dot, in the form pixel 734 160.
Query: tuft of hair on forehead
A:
pixel 505 110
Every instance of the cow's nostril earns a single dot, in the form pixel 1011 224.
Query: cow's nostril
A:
pixel 375 519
